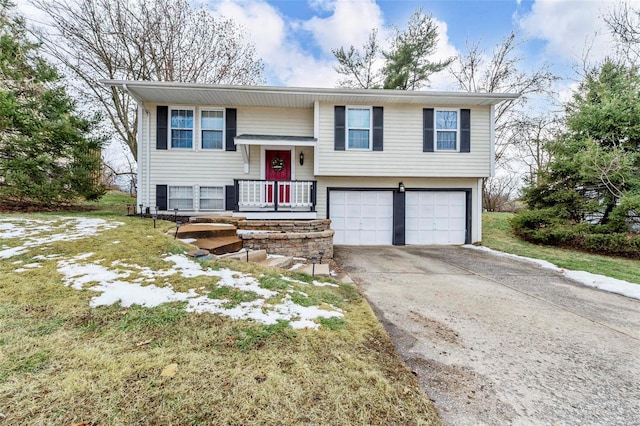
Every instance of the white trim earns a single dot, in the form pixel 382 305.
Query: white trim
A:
pixel 478 223
pixel 276 215
pixel 280 142
pixel 194 130
pixel 200 110
pixel 316 119
pixel 148 159
pixel 435 129
pixel 139 164
pixel 492 139
pixel 346 127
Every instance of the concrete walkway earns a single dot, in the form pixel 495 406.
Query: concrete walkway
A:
pixel 498 341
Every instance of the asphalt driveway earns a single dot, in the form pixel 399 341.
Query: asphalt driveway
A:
pixel 498 341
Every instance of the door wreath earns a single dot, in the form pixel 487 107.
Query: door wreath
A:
pixel 277 164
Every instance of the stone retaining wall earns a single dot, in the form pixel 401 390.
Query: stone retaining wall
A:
pixel 297 244
pixel 314 225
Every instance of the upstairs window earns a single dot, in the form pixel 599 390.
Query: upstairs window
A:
pixel 211 128
pixel 446 130
pixel 358 128
pixel 181 128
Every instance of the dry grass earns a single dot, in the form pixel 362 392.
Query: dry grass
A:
pixel 63 362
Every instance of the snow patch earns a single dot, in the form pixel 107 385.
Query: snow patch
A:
pixel 601 282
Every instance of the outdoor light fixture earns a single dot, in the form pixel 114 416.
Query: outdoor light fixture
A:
pixel 141 209
pixel 321 253
pixel 155 217
pixel 301 158
pixel 175 215
pixel 178 223
pixel 313 267
pixel 247 248
pixel 128 209
pixel 401 187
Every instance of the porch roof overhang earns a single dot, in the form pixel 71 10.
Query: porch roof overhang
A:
pixel 163 92
pixel 275 140
pixel 245 141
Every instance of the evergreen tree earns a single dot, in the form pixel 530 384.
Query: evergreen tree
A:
pixel 47 152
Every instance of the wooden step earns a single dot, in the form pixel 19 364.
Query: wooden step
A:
pixel 283 262
pixel 220 245
pixel 204 230
pixel 233 220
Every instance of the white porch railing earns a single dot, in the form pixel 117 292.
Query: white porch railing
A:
pixel 271 195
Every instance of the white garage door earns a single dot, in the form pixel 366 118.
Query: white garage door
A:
pixel 361 217
pixel 435 217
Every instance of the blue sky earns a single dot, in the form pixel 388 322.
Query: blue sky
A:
pixel 295 37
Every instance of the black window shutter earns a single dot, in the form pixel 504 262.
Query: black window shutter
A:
pixel 377 128
pixel 230 197
pixel 339 118
pixel 427 126
pixel 162 121
pixel 230 128
pixel 161 197
pixel 465 130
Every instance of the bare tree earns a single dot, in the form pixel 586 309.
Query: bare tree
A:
pixel 475 71
pixel 159 40
pixel 498 193
pixel 535 135
pixel 359 66
pixel 406 65
pixel 624 23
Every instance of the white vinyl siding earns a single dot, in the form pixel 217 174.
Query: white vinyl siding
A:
pixel 403 144
pixel 358 128
pixel 447 130
pixel 218 168
pixel 180 197
pixel 181 126
pixel 212 129
pixel 211 198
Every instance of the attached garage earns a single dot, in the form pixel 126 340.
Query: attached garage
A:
pixel 435 217
pixel 361 217
pixel 385 217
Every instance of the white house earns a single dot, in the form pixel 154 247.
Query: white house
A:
pixel 387 167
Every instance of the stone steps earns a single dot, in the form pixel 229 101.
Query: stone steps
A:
pixel 255 256
pixel 284 262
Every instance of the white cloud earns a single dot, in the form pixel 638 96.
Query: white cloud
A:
pixel 570 28
pixel 350 23
pixel 443 80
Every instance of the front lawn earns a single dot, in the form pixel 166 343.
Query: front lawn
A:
pixel 497 234
pixel 214 343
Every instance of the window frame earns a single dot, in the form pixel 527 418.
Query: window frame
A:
pixel 436 129
pixel 347 128
pixel 170 127
pixel 221 198
pixel 170 207
pixel 201 129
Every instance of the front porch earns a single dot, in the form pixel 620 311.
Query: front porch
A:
pixel 275 199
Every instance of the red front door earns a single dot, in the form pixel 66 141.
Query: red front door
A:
pixel 278 168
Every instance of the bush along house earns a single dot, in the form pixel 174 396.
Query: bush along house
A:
pixel 386 166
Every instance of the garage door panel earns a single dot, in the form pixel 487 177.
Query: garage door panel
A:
pixel 435 217
pixel 367 217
